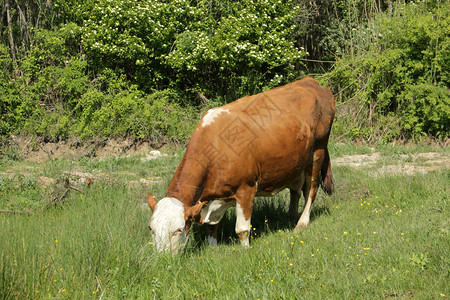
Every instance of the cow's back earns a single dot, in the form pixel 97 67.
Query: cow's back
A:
pixel 300 118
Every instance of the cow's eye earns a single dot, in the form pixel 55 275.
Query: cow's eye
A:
pixel 177 232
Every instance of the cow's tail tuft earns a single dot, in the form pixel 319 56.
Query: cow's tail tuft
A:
pixel 327 176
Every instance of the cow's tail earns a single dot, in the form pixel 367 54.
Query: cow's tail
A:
pixel 327 176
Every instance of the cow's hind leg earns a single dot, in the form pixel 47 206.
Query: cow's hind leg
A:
pixel 310 187
pixel 244 206
pixel 293 204
pixel 295 197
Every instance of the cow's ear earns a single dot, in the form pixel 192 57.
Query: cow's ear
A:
pixel 151 201
pixel 193 210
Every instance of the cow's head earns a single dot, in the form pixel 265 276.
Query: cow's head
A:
pixel 170 223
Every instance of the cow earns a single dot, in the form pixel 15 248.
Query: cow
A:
pixel 255 146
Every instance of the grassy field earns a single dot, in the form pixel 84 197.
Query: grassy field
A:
pixel 380 236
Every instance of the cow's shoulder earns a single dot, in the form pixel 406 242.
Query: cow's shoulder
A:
pixel 212 115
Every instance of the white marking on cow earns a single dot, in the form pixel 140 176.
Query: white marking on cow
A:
pixel 242 225
pixel 213 212
pixel 168 225
pixel 303 222
pixel 212 114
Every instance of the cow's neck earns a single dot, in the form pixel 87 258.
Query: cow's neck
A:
pixel 187 184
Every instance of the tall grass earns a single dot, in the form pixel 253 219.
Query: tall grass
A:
pixel 377 237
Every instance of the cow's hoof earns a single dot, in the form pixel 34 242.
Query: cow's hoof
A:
pixel 300 227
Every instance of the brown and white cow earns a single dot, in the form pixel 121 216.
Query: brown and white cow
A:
pixel 255 146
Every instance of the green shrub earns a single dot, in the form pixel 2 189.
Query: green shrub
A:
pixel 9 96
pixel 403 74
pixel 122 110
pixel 425 108
pixel 51 71
pixel 145 69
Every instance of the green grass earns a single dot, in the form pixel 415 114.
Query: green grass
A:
pixel 376 237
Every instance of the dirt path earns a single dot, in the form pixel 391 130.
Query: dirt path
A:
pixel 404 163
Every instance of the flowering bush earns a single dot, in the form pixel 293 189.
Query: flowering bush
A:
pixel 132 37
pixel 241 52
pixel 175 43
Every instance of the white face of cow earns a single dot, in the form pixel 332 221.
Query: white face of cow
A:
pixel 167 225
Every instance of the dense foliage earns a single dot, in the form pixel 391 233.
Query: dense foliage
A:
pixel 146 69
pixel 401 76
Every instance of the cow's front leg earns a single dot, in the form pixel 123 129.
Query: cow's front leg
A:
pixel 212 234
pixel 244 206
pixel 242 225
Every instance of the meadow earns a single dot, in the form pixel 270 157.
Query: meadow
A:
pixel 80 232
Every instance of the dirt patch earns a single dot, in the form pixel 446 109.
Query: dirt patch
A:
pixel 46 181
pixel 37 150
pixel 356 161
pixel 421 163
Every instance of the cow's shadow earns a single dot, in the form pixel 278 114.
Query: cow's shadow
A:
pixel 269 215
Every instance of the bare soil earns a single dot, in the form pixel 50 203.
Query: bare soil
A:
pixel 407 164
pixel 32 149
